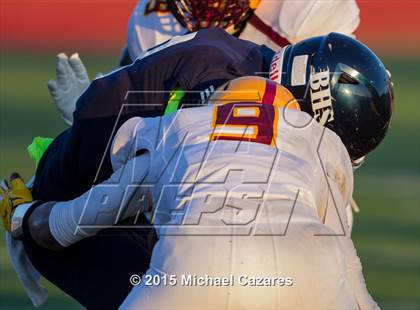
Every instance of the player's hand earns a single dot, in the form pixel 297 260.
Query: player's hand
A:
pixel 12 194
pixel 71 81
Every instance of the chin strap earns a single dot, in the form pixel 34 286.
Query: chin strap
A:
pixel 354 206
pixel 357 163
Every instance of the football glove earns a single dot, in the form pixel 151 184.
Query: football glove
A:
pixel 12 194
pixel 72 81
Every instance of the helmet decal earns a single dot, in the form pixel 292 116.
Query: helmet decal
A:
pixel 276 66
pixel 321 99
pixel 299 70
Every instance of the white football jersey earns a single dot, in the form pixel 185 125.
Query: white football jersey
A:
pixel 295 20
pixel 226 181
pixel 235 150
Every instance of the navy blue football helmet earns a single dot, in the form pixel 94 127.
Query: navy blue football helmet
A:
pixel 342 84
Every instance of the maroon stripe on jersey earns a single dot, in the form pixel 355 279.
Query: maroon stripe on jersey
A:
pixel 270 92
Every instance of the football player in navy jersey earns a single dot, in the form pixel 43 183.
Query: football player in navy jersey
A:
pixel 96 271
pixel 194 65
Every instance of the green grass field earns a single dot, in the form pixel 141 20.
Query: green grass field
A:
pixel 387 188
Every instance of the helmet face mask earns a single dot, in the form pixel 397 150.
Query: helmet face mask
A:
pixel 230 15
pixel 342 84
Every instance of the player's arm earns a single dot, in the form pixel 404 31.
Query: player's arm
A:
pixel 55 225
pixel 37 227
pixel 16 204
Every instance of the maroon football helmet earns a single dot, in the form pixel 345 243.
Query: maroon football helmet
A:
pixel 199 14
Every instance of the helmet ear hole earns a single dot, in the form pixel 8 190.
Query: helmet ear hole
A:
pixel 346 78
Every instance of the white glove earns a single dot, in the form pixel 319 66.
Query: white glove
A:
pixel 72 81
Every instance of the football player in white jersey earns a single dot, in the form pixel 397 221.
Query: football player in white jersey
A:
pixel 270 22
pixel 274 23
pixel 249 204
pixel 248 195
pixel 246 215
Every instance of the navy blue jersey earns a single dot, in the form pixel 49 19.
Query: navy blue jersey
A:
pixel 78 157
